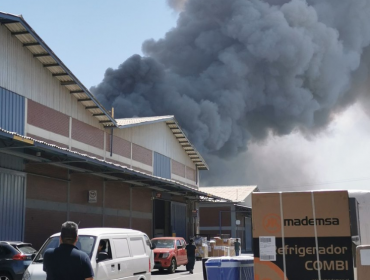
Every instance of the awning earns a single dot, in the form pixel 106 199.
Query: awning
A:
pixel 36 151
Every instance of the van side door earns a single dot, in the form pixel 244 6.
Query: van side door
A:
pixel 141 261
pixel 122 255
pixel 106 268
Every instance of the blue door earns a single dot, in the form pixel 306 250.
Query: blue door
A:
pixel 178 219
pixel 12 206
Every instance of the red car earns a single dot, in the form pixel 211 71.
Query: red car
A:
pixel 169 253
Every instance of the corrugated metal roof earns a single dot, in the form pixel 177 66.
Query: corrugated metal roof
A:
pixel 171 122
pixel 20 29
pixel 127 122
pixel 162 181
pixel 233 193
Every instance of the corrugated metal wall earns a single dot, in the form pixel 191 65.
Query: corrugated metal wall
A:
pixel 178 219
pixel 12 204
pixel 162 166
pixel 20 72
pixel 11 162
pixel 11 111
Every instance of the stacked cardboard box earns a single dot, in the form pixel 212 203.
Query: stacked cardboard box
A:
pixel 211 247
pixel 221 247
pixel 202 247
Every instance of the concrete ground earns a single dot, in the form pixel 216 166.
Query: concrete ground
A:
pixel 181 273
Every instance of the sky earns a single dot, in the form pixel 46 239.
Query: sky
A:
pixel 91 36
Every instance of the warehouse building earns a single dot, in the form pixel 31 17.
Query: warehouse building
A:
pixel 230 218
pixel 64 157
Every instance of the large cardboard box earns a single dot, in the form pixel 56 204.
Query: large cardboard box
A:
pixel 202 251
pixel 220 251
pixel 302 236
pixel 363 262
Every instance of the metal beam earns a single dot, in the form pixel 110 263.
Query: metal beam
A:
pixel 19 33
pixel 51 65
pixel 60 74
pixel 100 114
pixel 91 107
pixel 108 121
pixel 76 91
pixel 23 155
pixel 41 54
pixel 67 83
pixel 84 99
pixel 31 44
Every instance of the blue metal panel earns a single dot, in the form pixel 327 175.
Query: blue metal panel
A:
pixel 12 196
pixel 162 166
pixel 12 111
pixel 11 162
pixel 178 219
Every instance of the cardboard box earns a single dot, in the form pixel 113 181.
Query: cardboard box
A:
pixel 363 262
pixel 220 251
pixel 211 245
pixel 223 242
pixel 298 235
pixel 202 251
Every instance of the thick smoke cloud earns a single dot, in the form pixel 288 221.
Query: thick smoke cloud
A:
pixel 177 5
pixel 238 70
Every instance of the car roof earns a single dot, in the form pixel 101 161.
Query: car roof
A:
pixel 102 231
pixel 170 237
pixel 15 243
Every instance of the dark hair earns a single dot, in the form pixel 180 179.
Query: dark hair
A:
pixel 68 233
pixel 103 244
pixel 191 240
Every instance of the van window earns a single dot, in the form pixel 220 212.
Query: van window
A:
pixel 121 246
pixel 105 249
pixel 147 240
pixel 137 246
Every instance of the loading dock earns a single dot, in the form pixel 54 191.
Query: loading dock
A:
pixel 169 218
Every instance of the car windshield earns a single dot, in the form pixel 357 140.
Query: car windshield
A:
pixel 85 243
pixel 26 249
pixel 163 243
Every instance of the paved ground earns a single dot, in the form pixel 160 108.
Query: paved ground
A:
pixel 181 273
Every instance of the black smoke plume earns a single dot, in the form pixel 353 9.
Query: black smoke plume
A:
pixel 239 70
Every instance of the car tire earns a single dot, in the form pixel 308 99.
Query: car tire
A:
pixel 5 276
pixel 172 268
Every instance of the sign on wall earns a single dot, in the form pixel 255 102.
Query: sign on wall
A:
pixel 93 196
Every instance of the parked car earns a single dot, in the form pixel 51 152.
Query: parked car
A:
pixel 169 253
pixel 15 257
pixel 127 254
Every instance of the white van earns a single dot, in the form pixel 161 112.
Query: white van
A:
pixel 128 254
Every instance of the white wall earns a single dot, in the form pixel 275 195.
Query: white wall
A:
pixel 157 137
pixel 25 75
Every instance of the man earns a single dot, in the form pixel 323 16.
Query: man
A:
pixel 237 247
pixel 67 262
pixel 190 252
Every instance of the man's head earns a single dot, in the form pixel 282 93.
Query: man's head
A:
pixel 69 233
